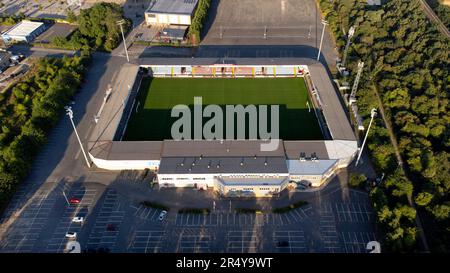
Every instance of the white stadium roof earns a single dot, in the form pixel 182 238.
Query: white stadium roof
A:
pixel 23 28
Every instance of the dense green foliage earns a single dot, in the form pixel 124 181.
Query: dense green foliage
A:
pixel 97 29
pixel 154 205
pixel 441 10
pixel 290 207
pixel 200 15
pixel 406 62
pixel 194 211
pixel 8 20
pixel 153 121
pixel 357 180
pixel 27 112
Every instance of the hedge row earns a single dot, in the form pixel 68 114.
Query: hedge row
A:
pixel 201 13
pixel 290 207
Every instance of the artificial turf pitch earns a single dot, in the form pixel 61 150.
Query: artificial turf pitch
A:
pixel 151 120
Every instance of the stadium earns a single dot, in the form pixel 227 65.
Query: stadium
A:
pixel 133 130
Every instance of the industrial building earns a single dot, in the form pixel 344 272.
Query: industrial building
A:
pixel 171 12
pixel 24 31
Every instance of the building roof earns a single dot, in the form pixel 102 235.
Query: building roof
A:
pixel 309 167
pixel 173 6
pixel 127 150
pixel 174 32
pixel 293 149
pixel 232 181
pixel 150 61
pixel 333 110
pixel 341 148
pixel 223 165
pixel 217 148
pixel 23 28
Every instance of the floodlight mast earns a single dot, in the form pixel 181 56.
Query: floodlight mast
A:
pixel 120 23
pixel 324 23
pixel 69 112
pixel 351 32
pixel 373 114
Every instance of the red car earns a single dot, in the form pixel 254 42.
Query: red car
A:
pixel 74 200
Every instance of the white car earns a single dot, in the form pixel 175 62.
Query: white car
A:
pixel 71 235
pixel 78 219
pixel 162 215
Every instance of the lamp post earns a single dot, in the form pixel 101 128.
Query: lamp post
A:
pixel 351 32
pixel 69 112
pixel 373 114
pixel 324 23
pixel 120 23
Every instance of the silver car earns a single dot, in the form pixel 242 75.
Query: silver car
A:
pixel 162 215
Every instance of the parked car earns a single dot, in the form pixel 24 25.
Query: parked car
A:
pixel 74 200
pixel 162 215
pixel 78 219
pixel 111 227
pixel 71 235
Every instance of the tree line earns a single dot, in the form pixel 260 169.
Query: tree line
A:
pixel 406 62
pixel 28 110
pixel 200 15
pixel 97 28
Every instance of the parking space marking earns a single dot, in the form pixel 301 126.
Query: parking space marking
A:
pixel 27 227
pixel 194 243
pixel 242 241
pixel 353 212
pixel 355 242
pixel 100 235
pixel 294 239
pixel 147 241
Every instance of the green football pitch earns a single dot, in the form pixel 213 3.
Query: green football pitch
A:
pixel 151 117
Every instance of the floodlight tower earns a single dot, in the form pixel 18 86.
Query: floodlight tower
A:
pixel 120 23
pixel 373 114
pixel 356 83
pixel 351 32
pixel 324 23
pixel 69 112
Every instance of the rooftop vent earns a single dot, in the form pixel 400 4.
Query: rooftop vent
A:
pixel 254 156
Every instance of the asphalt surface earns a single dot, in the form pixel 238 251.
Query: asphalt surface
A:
pixel 336 220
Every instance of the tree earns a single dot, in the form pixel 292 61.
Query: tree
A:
pixel 423 199
pixel 441 212
pixel 357 180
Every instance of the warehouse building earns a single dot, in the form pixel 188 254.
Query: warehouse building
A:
pixel 171 12
pixel 24 31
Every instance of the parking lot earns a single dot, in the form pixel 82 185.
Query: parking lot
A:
pixel 115 221
pixel 55 30
pixel 251 22
pixel 24 231
pixel 58 241
pixel 38 9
